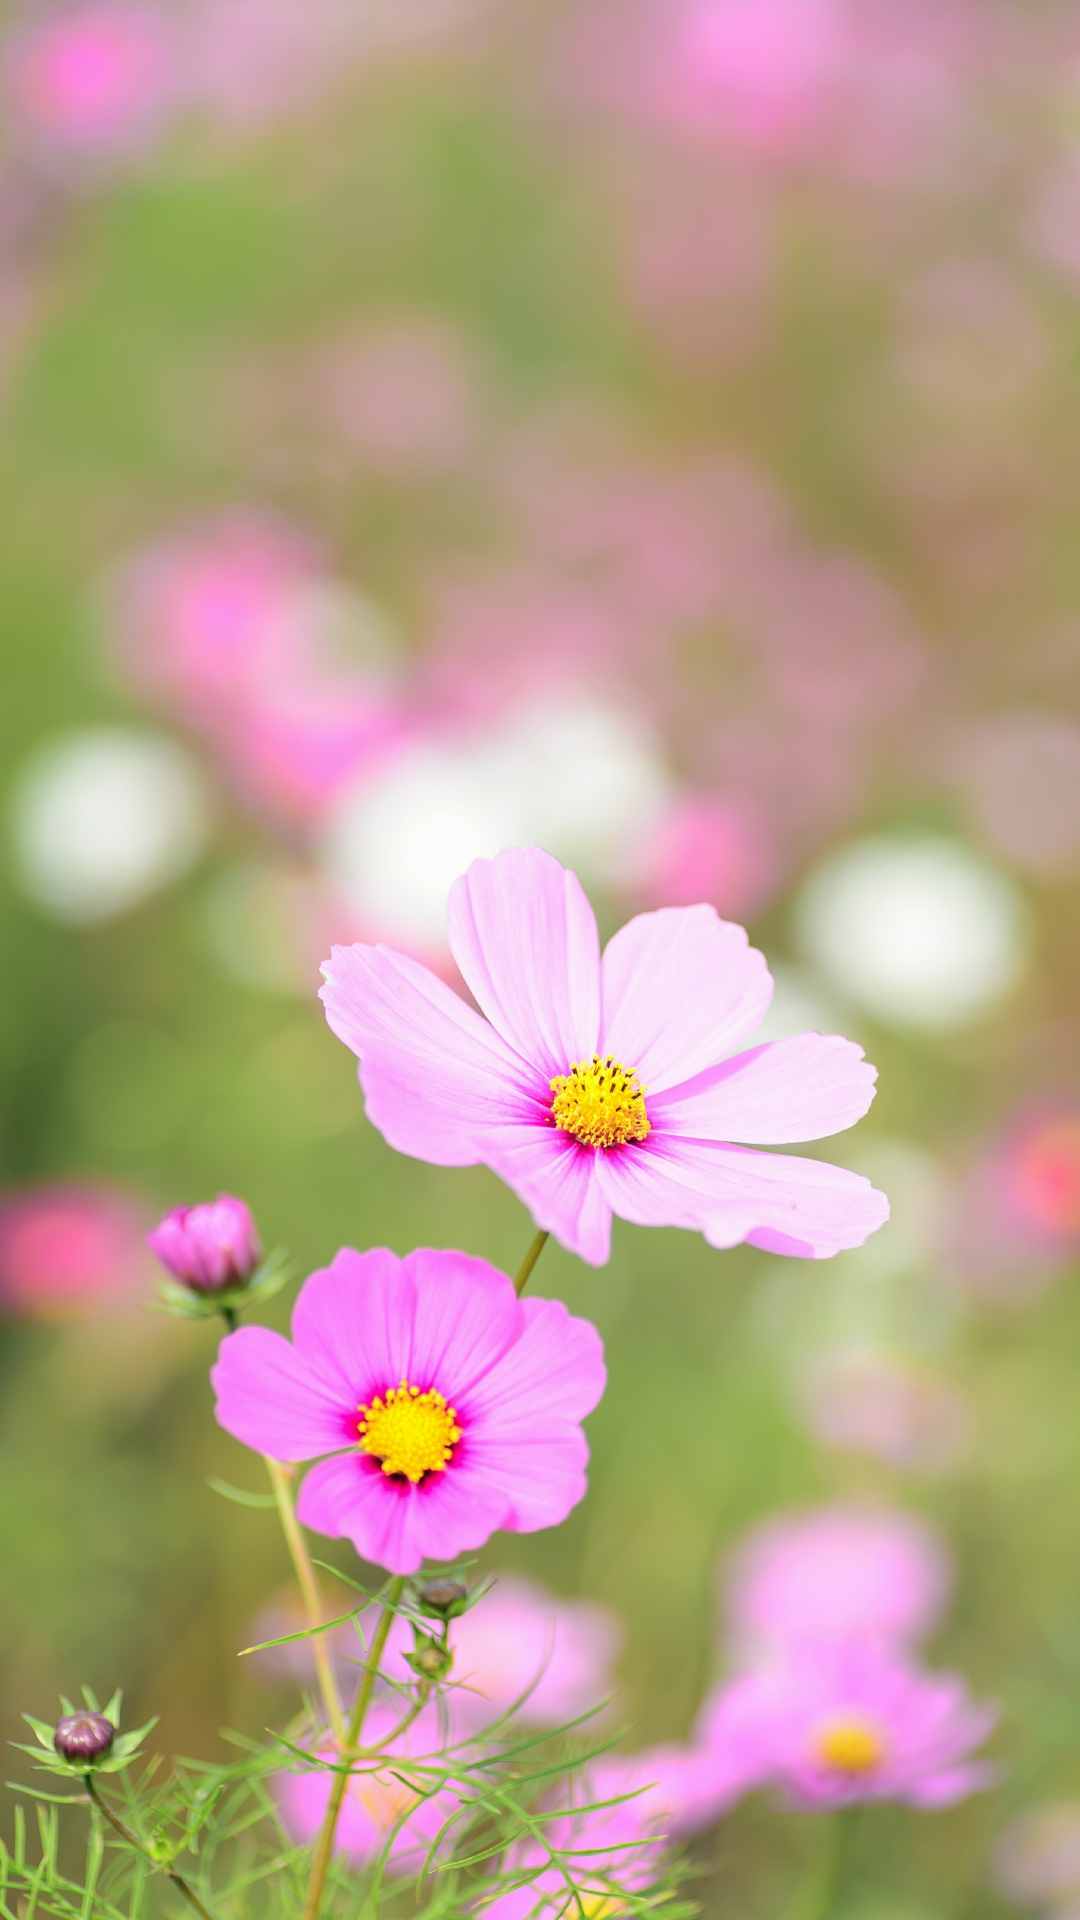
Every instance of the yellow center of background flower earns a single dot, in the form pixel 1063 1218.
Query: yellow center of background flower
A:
pixel 850 1746
pixel 600 1103
pixel 412 1433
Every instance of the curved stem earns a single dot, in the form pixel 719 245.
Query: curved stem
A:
pixel 536 1248
pixel 309 1590
pixel 324 1846
pixel 133 1840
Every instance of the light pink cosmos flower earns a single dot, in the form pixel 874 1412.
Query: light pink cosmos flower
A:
pixel 606 1086
pixel 378 1796
pixel 839 1573
pixel 69 1249
pixel 845 1721
pixel 450 1407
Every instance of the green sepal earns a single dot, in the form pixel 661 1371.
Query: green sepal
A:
pixel 187 1303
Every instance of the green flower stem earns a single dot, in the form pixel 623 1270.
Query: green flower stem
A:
pixel 536 1248
pixel 106 1813
pixel 228 1314
pixel 819 1896
pixel 309 1590
pixel 324 1846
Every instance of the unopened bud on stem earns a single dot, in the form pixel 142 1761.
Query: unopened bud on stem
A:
pixel 83 1736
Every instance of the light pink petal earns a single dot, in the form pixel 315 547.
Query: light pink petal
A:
pixel 352 1320
pixel 807 1208
pixel 466 1315
pixel 435 1075
pixel 271 1397
pixel 392 1526
pixel 553 1375
pixel 680 988
pixel 524 936
pixel 540 1476
pixel 555 1177
pixel 799 1089
pixel 944 1789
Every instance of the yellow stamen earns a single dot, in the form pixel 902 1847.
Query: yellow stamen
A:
pixel 412 1433
pixel 600 1103
pixel 849 1745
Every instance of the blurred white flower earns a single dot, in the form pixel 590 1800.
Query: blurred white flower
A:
pixel 578 778
pixel 919 930
pixel 103 817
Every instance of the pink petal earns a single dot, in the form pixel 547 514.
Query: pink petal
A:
pixel 553 1374
pixel 524 936
pixel 680 989
pixel 435 1075
pixel 555 1177
pixel 466 1315
pixel 272 1398
pixel 541 1476
pixel 944 1789
pixel 799 1089
pixel 776 1201
pixel 393 1526
pixel 351 1320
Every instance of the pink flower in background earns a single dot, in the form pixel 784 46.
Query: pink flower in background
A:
pixel 93 78
pixel 451 1408
pixel 845 1721
pixel 1016 1213
pixel 304 740
pixel 599 1088
pixel 520 1640
pixel 68 1250
pixel 1040 1168
pixel 834 1572
pixel 378 1796
pixel 883 1407
pixel 203 620
pixel 708 848
pixel 402 397
pixel 210 1246
pixel 756 70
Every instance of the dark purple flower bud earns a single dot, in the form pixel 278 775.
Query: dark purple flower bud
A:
pixel 208 1247
pixel 441 1599
pixel 83 1736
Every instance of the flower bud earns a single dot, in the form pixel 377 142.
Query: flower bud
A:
pixel 209 1247
pixel 429 1659
pixel 441 1599
pixel 83 1737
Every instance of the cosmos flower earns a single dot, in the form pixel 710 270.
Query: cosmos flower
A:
pixel 838 1572
pixel 842 1721
pixel 606 1086
pixel 93 78
pixel 69 1249
pixel 447 1406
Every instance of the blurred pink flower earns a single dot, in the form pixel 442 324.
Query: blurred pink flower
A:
pixel 754 70
pixel 404 397
pixel 1015 1217
pixel 94 78
pixel 1019 774
pixel 843 1721
pixel 201 621
pixel 302 740
pixel 67 1250
pixel 878 1405
pixel 550 1088
pixel 834 1572
pixel 706 847
pixel 439 1406
pixel 1037 1857
pixel 379 1794
pixel 520 1639
pixel 1039 1166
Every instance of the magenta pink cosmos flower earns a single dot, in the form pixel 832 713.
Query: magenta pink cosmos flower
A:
pixel 599 1086
pixel 845 1721
pixel 834 1572
pixel 386 1804
pixel 210 1246
pixel 69 1249
pixel 450 1407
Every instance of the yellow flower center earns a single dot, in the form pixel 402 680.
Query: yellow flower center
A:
pixel 412 1433
pixel 849 1745
pixel 600 1103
